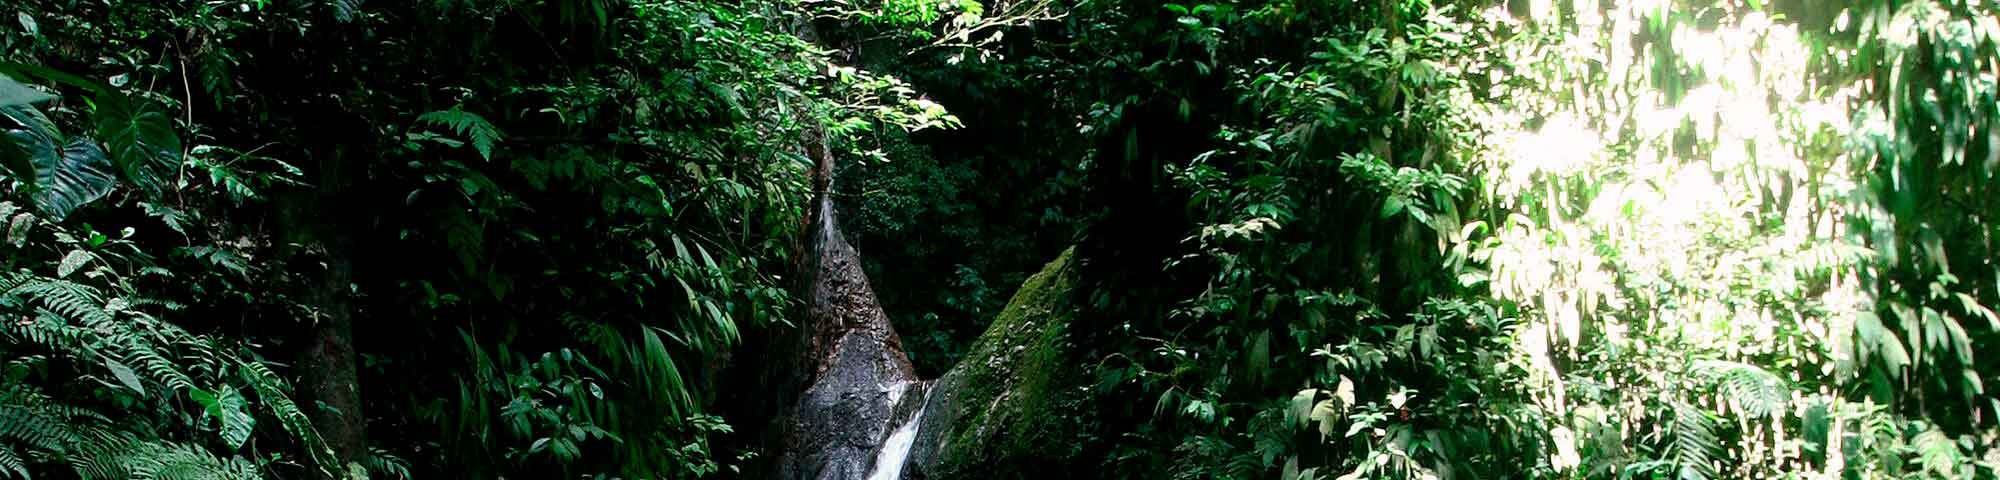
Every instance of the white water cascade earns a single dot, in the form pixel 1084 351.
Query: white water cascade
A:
pixel 896 450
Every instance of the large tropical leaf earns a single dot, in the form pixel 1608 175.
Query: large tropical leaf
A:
pixel 140 139
pixel 64 174
pixel 14 93
pixel 25 128
pixel 228 406
pixel 69 181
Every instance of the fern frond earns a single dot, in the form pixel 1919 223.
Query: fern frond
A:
pixel 345 10
pixel 1938 453
pixel 68 299
pixel 12 464
pixel 12 280
pixel 1695 445
pixel 475 128
pixel 37 429
pixel 173 461
pixel 64 301
pixel 385 464
pixel 120 457
pixel 271 393
pixel 50 330
pixel 1754 391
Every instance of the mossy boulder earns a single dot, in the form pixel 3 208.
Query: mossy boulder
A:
pixel 1015 406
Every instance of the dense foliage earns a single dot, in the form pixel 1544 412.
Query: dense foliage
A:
pixel 1334 239
pixel 523 228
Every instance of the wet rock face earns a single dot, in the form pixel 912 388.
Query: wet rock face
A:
pixel 861 385
pixel 841 420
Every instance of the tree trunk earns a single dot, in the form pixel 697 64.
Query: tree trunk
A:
pixel 328 379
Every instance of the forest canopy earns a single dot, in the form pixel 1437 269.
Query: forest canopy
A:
pixel 1320 239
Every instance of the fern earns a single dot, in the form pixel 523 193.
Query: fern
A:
pixel 387 465
pixel 38 428
pixel 1939 454
pixel 170 461
pixel 345 10
pixel 65 301
pixel 1695 445
pixel 1752 390
pixel 117 456
pixel 12 464
pixel 151 357
pixel 271 392
pixel 475 128
pixel 50 331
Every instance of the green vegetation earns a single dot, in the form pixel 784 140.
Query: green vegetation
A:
pixel 1307 240
pixel 1014 409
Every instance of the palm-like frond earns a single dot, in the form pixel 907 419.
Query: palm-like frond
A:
pixel 1695 445
pixel 473 127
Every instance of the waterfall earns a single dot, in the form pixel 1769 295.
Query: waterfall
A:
pixel 896 450
pixel 853 419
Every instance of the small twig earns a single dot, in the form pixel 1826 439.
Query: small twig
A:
pixel 187 105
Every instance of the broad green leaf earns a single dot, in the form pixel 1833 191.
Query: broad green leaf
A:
pixel 78 176
pixel 16 93
pixel 30 135
pixel 140 140
pixel 1260 355
pixel 1393 205
pixel 76 259
pixel 18 227
pixel 1300 413
pixel 1357 427
pixel 28 24
pixel 65 174
pixel 125 375
pixel 227 406
pixel 1327 414
pixel 1345 391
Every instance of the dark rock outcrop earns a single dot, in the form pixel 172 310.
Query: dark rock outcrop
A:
pixel 859 386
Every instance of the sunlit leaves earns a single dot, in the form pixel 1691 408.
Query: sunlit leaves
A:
pixel 1751 390
pixel 1695 445
pixel 1928 135
pixel 1679 177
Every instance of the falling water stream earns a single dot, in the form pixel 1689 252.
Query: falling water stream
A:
pixel 895 451
pixel 862 408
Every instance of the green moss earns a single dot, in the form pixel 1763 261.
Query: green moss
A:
pixel 1019 409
